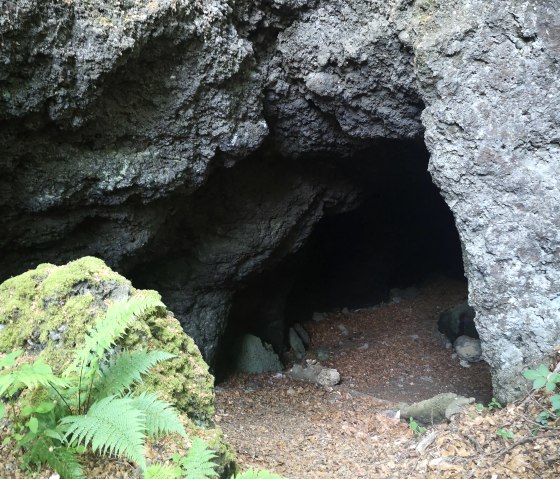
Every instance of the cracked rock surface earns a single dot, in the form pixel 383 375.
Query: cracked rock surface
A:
pixel 134 130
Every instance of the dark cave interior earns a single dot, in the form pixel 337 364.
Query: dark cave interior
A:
pixel 401 234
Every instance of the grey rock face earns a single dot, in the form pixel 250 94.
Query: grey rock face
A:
pixel 108 107
pixel 490 76
pixel 124 126
pixel 340 76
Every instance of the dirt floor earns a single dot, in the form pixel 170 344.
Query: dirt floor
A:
pixel 386 354
pixel 304 431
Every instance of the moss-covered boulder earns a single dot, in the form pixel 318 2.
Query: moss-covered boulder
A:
pixel 47 311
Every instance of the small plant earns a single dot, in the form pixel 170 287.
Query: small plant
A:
pixel 504 433
pixel 542 377
pixel 254 474
pixel 199 463
pixel 92 404
pixel 494 404
pixel 479 407
pixel 415 427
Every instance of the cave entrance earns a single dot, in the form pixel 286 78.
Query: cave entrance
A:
pixel 369 285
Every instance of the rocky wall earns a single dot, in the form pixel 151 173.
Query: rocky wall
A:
pixel 490 77
pixel 128 130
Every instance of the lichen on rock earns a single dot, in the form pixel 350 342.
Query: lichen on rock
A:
pixel 47 311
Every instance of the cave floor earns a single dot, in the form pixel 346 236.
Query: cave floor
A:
pixel 395 352
pixel 385 354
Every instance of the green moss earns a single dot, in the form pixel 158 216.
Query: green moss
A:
pixel 48 310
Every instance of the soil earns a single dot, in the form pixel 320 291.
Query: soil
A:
pixel 385 355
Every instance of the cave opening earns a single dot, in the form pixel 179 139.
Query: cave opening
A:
pixel 395 246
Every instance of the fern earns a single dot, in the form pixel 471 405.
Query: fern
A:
pixel 112 426
pixel 199 464
pixel 61 459
pixel 254 474
pixel 118 318
pixel 90 410
pixel 159 471
pixel 126 369
pixel 199 461
pixel 160 417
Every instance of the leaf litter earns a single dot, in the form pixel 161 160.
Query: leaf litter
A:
pixel 304 431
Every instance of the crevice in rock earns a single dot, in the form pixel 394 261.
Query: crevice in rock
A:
pixel 397 239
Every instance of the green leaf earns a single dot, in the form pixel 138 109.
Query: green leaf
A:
pixel 44 407
pixel 159 471
pixel 161 418
pixel 555 401
pixel 54 434
pixel 531 374
pixel 199 461
pixel 10 359
pixel 539 382
pixel 112 426
pixel 126 369
pixel 505 433
pixel 30 376
pixel 543 370
pixel 33 425
pixel 554 378
pixel 7 440
pixel 26 411
pixel 550 386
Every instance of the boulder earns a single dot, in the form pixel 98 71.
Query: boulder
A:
pixel 468 349
pixel 458 321
pixel 255 356
pixel 296 343
pixel 315 373
pixel 303 334
pixel 46 312
pixel 436 409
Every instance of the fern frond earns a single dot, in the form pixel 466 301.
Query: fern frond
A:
pixel 112 426
pixel 161 417
pixel 254 474
pixel 159 471
pixel 126 369
pixel 29 376
pixel 118 318
pixel 199 461
pixel 61 459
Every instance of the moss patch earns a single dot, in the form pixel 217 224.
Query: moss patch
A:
pixel 46 311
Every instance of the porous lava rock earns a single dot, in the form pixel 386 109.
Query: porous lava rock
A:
pixel 192 144
pixel 489 74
